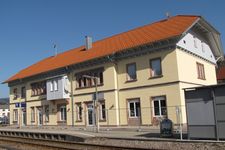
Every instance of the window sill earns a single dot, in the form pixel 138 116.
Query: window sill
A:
pixel 78 120
pixel 64 121
pixel 201 78
pixel 155 77
pixel 38 95
pixel 128 81
pixel 102 120
pixel 86 87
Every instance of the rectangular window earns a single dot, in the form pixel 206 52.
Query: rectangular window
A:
pixel 134 108
pixel 15 94
pixel 23 92
pixel 201 71
pixel 15 115
pixel 195 42
pixel 32 114
pixel 131 72
pixel 79 111
pixel 63 113
pixel 102 111
pixel 46 113
pixel 203 47
pixel 38 88
pixel 55 85
pixel 51 86
pixel 159 105
pixel 90 80
pixel 155 67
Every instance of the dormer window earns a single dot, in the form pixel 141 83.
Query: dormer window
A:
pixel 203 47
pixel 195 42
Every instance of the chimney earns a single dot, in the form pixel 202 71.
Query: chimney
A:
pixel 168 15
pixel 88 42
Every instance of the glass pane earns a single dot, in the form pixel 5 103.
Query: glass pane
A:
pixel 156 67
pixel 132 114
pixel 131 70
pixel 137 109
pixel 156 108
pixel 103 111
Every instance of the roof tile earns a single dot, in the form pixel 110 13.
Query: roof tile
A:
pixel 164 29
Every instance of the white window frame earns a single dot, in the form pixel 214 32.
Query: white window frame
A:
pixel 56 85
pixel 159 99
pixel 47 113
pixel 32 114
pixel 62 113
pixel 51 86
pixel 135 114
pixel 100 111
pixel 79 108
pixel 15 115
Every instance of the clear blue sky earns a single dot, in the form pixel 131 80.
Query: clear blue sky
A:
pixel 28 28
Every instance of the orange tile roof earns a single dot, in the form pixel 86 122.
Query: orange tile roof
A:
pixel 163 29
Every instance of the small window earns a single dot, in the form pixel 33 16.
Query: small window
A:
pixel 15 115
pixel 134 108
pixel 159 105
pixel 201 71
pixel 131 72
pixel 79 112
pixel 15 94
pixel 102 111
pixel 195 42
pixel 63 113
pixel 51 86
pixel 203 47
pixel 23 92
pixel 32 114
pixel 47 113
pixel 155 67
pixel 55 85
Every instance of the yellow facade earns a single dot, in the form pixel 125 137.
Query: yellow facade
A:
pixel 178 71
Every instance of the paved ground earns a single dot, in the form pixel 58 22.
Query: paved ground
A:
pixel 131 132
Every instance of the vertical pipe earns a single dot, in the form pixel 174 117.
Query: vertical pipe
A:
pixel 181 132
pixel 215 115
pixel 96 115
pixel 72 100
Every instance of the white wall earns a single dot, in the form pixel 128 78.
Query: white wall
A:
pixel 6 111
pixel 187 42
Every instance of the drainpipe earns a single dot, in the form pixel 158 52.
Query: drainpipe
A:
pixel 215 115
pixel 72 100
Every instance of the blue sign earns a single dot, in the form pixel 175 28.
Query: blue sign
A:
pixel 17 105
pixel 22 104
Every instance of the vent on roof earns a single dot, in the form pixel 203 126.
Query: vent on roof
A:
pixel 88 42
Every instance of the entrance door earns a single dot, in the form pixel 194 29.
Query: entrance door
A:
pixel 24 117
pixel 90 115
pixel 40 116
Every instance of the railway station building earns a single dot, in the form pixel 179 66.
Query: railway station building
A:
pixel 135 78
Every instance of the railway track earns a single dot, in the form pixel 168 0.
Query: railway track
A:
pixel 20 143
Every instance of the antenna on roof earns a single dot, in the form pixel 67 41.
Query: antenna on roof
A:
pixel 56 48
pixel 168 15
